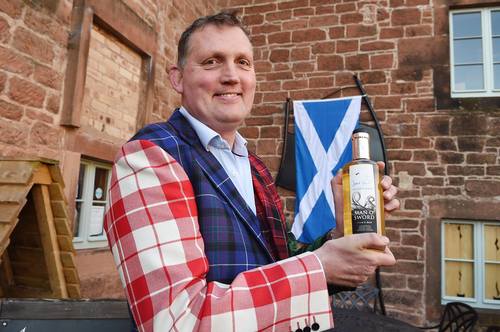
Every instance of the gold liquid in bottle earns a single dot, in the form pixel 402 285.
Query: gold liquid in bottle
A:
pixel 363 200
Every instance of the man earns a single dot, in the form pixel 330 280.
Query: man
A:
pixel 195 223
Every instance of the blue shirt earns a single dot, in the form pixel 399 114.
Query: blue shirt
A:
pixel 234 161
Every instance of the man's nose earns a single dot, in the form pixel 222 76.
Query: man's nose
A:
pixel 229 74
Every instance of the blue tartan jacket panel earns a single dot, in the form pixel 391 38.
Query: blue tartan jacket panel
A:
pixel 235 239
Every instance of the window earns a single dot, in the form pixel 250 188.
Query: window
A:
pixel 91 198
pixel 475 52
pixel 471 263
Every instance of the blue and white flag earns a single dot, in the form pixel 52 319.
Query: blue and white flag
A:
pixel 323 130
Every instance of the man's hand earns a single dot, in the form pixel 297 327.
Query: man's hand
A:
pixel 391 203
pixel 351 260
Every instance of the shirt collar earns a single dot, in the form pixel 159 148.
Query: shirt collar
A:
pixel 210 137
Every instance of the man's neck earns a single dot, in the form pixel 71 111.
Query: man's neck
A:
pixel 229 137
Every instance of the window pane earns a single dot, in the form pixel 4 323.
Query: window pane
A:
pixel 495 23
pixel 466 25
pixel 469 77
pixel 492 281
pixel 100 184
pixel 492 243
pixel 468 51
pixel 76 223
pixel 96 220
pixel 459 278
pixel 81 176
pixel 497 76
pixel 496 49
pixel 459 241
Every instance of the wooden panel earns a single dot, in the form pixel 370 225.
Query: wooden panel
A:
pixel 492 281
pixel 59 209
pixel 55 173
pixel 16 171
pixel 492 242
pixel 41 175
pixel 33 282
pixel 26 269
pixel 5 231
pixel 459 279
pixel 4 243
pixel 29 292
pixel 71 276
pixel 67 259
pixel 9 212
pixel 65 243
pixel 28 239
pixel 32 256
pixel 56 192
pixel 7 269
pixel 459 241
pixel 73 291
pixel 49 240
pixel 14 192
pixel 62 227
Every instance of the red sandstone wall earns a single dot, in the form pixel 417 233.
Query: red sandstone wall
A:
pixel 33 63
pixel 444 154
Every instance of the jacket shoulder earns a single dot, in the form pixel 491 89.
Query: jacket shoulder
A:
pixel 165 136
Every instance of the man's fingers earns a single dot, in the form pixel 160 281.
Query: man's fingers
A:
pixel 381 165
pixel 337 179
pixel 386 182
pixel 371 241
pixel 392 205
pixel 390 193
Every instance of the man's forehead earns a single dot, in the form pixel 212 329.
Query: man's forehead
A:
pixel 213 35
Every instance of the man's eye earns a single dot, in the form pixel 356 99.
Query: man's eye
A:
pixel 244 62
pixel 210 62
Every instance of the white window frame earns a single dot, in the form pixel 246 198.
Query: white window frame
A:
pixel 479 300
pixel 84 240
pixel 487 42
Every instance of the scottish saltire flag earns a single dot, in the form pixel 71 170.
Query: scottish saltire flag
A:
pixel 323 130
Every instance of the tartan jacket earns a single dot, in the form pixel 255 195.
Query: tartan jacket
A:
pixel 190 252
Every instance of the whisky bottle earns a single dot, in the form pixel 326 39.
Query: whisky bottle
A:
pixel 363 200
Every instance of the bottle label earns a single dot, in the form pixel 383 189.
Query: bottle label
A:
pixel 363 199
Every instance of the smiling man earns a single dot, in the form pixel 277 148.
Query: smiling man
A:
pixel 195 223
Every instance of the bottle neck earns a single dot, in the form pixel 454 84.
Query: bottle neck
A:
pixel 360 147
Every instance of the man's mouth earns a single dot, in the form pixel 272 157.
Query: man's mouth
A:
pixel 228 94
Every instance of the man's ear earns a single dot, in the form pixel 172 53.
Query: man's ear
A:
pixel 175 77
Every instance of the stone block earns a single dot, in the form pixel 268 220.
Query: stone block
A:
pixel 469 124
pixel 26 93
pixel 13 8
pixel 48 77
pixel 423 51
pixel 482 188
pixel 357 62
pixel 405 16
pixel 29 43
pixel 330 63
pixel 308 35
pixel 10 111
pixel 451 157
pixel 15 63
pixel 434 126
pixel 481 158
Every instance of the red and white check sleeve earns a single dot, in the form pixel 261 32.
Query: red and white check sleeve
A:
pixel 152 228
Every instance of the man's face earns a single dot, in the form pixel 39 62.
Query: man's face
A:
pixel 217 82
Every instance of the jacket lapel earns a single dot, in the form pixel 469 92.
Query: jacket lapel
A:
pixel 219 179
pixel 269 209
